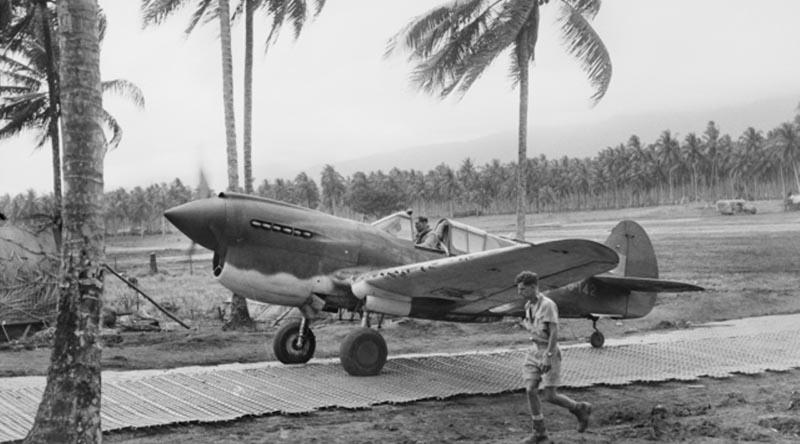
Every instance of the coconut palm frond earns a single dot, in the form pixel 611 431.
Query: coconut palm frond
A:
pixel 276 10
pixel 22 101
pixel 19 75
pixel 584 43
pixel 22 60
pixel 22 116
pixel 20 80
pixel 297 14
pixel 587 8
pixel 516 15
pixel 15 33
pixel 35 56
pixel 125 89
pixel 154 12
pixel 40 127
pixel 466 25
pixel 439 70
pixel 318 6
pixel 424 33
pixel 114 127
pixel 205 12
pixel 528 37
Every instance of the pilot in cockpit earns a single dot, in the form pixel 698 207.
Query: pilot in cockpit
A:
pixel 426 237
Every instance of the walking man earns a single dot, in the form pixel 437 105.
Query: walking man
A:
pixel 542 366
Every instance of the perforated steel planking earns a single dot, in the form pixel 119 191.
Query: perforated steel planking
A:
pixel 221 393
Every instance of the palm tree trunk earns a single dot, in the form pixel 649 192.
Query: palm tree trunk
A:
pixel 227 94
pixel 248 97
pixel 240 316
pixel 522 139
pixel 796 175
pixel 55 139
pixel 70 407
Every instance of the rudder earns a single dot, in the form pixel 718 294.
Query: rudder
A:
pixel 637 258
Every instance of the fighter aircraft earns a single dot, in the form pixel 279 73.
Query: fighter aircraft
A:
pixel 278 253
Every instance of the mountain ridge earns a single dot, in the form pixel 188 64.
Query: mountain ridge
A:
pixel 575 140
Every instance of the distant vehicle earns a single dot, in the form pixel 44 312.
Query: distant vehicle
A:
pixel 278 253
pixel 792 202
pixel 735 206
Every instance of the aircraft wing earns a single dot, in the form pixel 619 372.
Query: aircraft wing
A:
pixel 648 284
pixel 475 283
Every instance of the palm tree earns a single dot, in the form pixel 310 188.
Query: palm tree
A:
pixel 29 98
pixel 454 43
pixel 25 101
pixel 281 11
pixel 157 11
pixel 305 191
pixel 694 157
pixel 36 21
pixel 333 188
pixel 70 407
pixel 446 185
pixel 787 142
pixel 669 158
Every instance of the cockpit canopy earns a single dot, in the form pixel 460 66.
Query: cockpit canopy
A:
pixel 455 238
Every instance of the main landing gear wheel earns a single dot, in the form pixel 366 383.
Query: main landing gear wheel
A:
pixel 363 352
pixel 291 347
pixel 597 339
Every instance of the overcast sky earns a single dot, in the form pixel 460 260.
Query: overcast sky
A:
pixel 331 96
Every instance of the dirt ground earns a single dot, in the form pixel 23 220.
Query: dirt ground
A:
pixel 748 265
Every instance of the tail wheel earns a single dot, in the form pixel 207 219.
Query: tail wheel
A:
pixel 363 352
pixel 597 339
pixel 289 348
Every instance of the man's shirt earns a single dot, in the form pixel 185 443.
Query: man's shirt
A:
pixel 538 315
pixel 428 239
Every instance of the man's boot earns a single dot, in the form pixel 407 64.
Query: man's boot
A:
pixel 582 411
pixel 539 434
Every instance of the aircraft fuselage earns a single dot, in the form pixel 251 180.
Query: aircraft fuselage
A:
pixel 278 253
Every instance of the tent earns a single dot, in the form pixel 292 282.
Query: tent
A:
pixel 29 269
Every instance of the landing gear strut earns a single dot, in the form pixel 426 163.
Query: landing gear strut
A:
pixel 363 351
pixel 294 343
pixel 596 339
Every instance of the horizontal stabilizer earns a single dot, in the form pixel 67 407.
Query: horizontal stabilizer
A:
pixel 648 284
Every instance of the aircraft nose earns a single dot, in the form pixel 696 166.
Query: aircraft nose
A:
pixel 199 220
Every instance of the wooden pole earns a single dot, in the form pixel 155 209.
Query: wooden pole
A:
pixel 163 310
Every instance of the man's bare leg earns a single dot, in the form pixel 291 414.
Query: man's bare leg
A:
pixel 535 407
pixel 581 410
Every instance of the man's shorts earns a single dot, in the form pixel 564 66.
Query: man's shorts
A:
pixel 532 367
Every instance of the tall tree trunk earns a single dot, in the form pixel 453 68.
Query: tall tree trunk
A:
pixel 240 316
pixel 227 94
pixel 796 175
pixel 70 407
pixel 248 97
pixel 55 115
pixel 523 56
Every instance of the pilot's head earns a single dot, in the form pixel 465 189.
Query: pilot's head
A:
pixel 421 224
pixel 528 285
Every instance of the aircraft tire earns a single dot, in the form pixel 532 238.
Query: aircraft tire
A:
pixel 363 352
pixel 597 339
pixel 285 348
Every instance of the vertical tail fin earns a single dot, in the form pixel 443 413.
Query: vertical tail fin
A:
pixel 636 255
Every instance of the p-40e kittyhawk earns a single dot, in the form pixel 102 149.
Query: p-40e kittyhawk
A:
pixel 278 253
